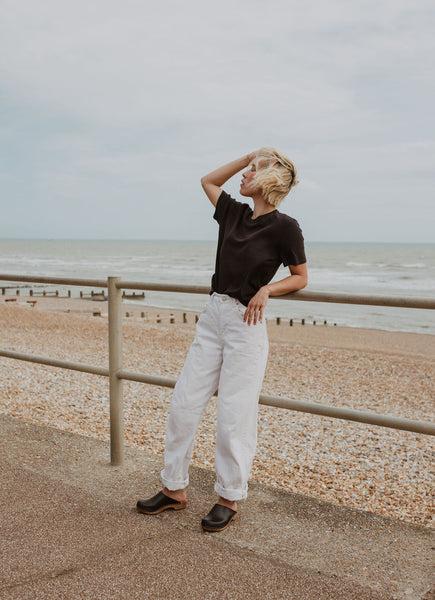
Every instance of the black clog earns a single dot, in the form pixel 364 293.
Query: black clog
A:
pixel 218 518
pixel 158 504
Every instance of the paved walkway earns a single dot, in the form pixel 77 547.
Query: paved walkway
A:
pixel 69 530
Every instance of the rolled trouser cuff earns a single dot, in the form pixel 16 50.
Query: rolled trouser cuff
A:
pixel 231 495
pixel 174 485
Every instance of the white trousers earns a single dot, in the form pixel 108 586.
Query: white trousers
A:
pixel 228 354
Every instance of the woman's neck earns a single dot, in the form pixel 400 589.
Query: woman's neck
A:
pixel 261 207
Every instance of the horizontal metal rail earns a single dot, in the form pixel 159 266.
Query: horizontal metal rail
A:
pixel 370 300
pixel 303 296
pixel 348 414
pixel 313 408
pixel 54 362
pixel 55 280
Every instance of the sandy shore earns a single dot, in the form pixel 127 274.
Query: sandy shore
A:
pixel 372 468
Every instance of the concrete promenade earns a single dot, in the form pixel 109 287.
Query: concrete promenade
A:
pixel 69 529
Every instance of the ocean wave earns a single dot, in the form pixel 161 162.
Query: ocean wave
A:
pixel 378 269
pixel 414 265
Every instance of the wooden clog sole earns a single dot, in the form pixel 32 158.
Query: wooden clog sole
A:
pixel 179 506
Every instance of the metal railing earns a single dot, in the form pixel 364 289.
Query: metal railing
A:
pixel 116 374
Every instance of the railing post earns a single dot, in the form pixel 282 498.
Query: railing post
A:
pixel 115 365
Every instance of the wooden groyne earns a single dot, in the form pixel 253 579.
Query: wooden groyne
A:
pixel 12 293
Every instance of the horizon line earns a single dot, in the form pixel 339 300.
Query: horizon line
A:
pixel 86 239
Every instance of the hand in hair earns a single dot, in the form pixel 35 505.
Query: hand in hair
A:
pixel 252 156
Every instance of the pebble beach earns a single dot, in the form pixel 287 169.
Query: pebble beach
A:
pixel 366 467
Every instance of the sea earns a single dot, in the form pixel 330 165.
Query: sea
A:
pixel 353 268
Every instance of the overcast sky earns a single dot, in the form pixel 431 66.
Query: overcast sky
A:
pixel 112 112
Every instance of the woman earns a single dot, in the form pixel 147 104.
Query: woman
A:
pixel 229 352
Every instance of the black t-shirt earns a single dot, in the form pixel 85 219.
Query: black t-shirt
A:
pixel 250 250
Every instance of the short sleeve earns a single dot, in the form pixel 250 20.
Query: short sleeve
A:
pixel 224 206
pixel 292 243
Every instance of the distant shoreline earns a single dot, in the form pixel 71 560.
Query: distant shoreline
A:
pixel 135 306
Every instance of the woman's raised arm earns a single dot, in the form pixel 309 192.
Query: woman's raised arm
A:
pixel 212 182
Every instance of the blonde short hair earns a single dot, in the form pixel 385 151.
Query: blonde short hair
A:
pixel 277 177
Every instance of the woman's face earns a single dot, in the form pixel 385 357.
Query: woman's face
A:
pixel 247 185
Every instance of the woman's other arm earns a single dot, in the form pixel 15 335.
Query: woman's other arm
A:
pixel 212 182
pixel 296 281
